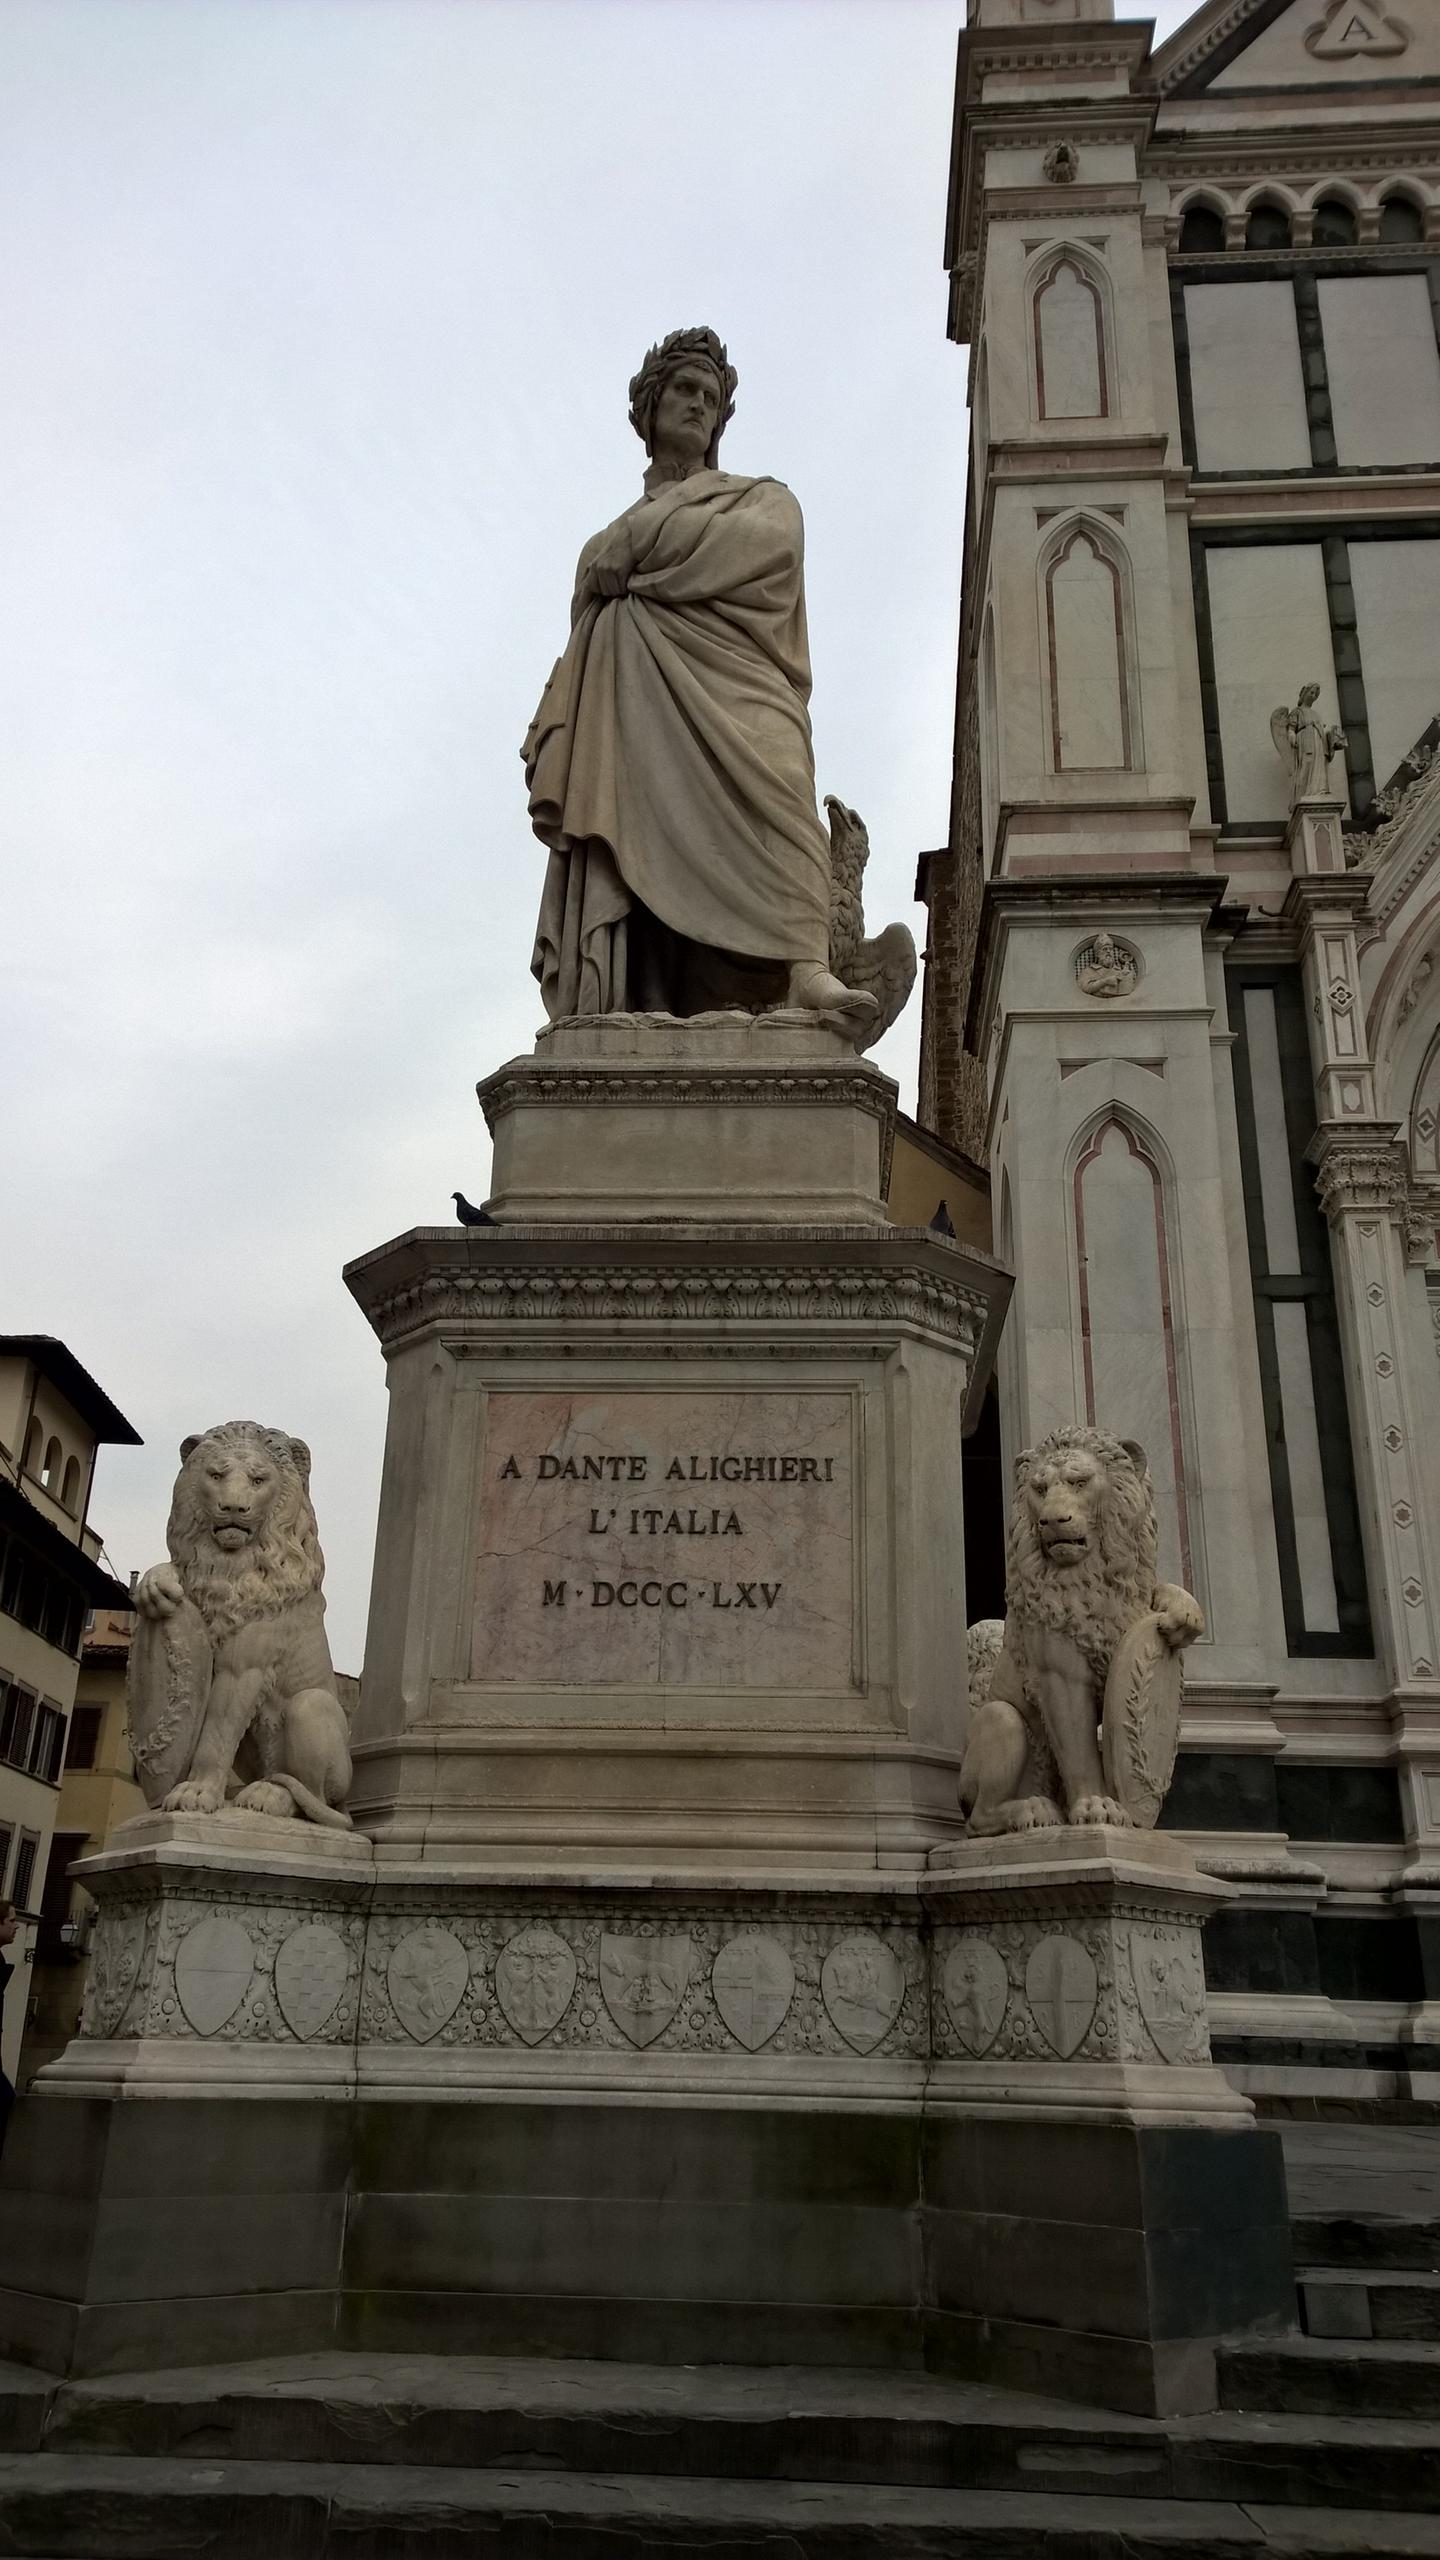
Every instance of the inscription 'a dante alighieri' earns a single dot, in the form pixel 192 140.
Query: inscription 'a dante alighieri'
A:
pixel 599 1564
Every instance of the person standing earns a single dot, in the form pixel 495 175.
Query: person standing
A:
pixel 8 1928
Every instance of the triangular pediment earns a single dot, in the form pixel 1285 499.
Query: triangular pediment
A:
pixel 1301 44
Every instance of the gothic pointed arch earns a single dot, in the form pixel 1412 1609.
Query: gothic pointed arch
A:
pixel 1088 674
pixel 1071 333
pixel 1133 1357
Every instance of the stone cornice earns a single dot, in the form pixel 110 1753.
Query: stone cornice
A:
pixel 491 1288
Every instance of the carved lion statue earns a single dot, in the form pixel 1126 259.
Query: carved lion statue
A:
pixel 1083 1704
pixel 230 1674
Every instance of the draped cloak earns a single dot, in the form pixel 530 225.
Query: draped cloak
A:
pixel 670 762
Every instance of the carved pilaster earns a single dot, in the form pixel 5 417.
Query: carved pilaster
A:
pixel 1363 1182
pixel 1324 912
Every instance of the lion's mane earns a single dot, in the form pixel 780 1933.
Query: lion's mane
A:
pixel 282 1562
pixel 1096 1600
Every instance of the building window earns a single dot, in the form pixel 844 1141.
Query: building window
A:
pixel 84 1737
pixel 47 1743
pixel 1202 231
pixel 1268 227
pixel 50 1473
pixel 1302 1385
pixel 25 1857
pixel 1335 224
pixel 70 1489
pixel 17 1723
pixel 34 1439
pixel 1401 223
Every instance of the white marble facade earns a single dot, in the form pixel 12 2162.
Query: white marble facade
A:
pixel 1252 506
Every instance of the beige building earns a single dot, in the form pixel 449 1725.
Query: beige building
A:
pixel 1183 987
pixel 97 1790
pixel 53 1419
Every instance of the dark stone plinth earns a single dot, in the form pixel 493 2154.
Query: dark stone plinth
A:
pixel 1099 2261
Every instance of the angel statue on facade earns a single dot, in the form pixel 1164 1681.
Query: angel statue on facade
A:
pixel 1308 744
pixel 670 767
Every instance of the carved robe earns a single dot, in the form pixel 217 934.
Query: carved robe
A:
pixel 670 763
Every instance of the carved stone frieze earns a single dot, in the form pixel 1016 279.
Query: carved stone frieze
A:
pixel 1126 1987
pixel 474 1968
pixel 674 1087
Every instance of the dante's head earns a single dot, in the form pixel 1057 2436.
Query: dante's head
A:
pixel 683 397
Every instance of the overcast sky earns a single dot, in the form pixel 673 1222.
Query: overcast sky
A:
pixel 319 318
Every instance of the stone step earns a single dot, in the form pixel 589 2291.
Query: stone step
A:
pixel 782 2423
pixel 1353 2302
pixel 78 2506
pixel 1376 2377
pixel 1367 2241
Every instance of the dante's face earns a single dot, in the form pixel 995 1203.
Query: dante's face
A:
pixel 687 413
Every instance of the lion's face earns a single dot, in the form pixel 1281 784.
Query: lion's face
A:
pixel 242 1531
pixel 234 1491
pixel 1080 1555
pixel 1064 1493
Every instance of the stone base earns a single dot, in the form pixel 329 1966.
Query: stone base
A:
pixel 1096 2264
pixel 743 1118
pixel 785 2120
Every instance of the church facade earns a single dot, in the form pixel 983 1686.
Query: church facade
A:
pixel 1183 977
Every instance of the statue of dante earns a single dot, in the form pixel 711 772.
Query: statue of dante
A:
pixel 670 766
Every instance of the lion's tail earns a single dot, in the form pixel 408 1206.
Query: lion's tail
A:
pixel 313 1807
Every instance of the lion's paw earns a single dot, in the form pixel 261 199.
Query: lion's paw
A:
pixel 1033 1813
pixel 194 1795
pixel 265 1797
pixel 1100 1809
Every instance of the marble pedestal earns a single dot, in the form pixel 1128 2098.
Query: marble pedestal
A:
pixel 669 1563
pixel 964 2119
pixel 655 2009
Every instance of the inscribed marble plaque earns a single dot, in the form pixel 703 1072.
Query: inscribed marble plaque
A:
pixel 682 1540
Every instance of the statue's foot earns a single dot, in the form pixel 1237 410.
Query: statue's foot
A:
pixel 194 1795
pixel 814 990
pixel 1100 1809
pixel 1033 1813
pixel 265 1797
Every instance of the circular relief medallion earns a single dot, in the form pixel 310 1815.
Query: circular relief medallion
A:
pixel 977 1993
pixel 310 1972
pixel 753 1981
pixel 427 1974
pixel 213 1965
pixel 535 1981
pixel 862 1983
pixel 1062 1987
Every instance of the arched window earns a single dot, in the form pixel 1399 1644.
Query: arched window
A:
pixel 50 1472
pixel 1071 378
pixel 70 1489
pixel 1335 224
pixel 34 1438
pixel 1088 658
pixel 1268 227
pixel 1401 221
pixel 1202 231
